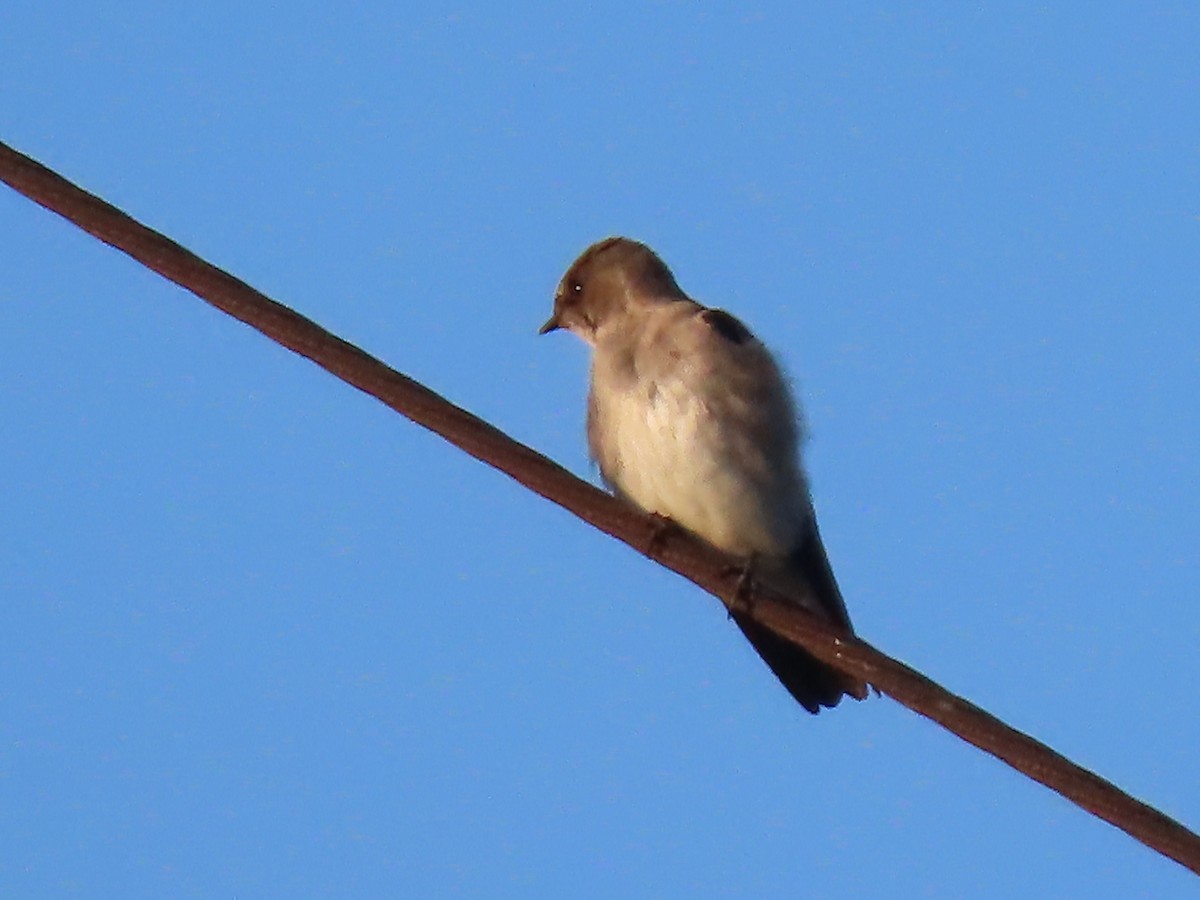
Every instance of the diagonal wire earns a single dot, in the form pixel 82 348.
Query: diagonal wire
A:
pixel 712 570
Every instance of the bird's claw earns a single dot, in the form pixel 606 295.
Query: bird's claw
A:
pixel 743 591
pixel 661 528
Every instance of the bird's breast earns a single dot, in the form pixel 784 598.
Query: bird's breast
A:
pixel 691 449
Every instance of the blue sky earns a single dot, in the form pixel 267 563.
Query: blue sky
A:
pixel 262 637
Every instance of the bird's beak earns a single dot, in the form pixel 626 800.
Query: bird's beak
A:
pixel 552 324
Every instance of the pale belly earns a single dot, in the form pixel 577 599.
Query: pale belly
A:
pixel 677 459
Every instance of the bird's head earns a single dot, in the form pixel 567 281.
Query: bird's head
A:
pixel 610 279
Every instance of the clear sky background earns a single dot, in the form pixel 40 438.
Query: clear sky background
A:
pixel 261 637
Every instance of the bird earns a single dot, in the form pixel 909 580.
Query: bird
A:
pixel 690 418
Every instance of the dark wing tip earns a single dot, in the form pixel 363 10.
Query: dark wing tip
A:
pixel 811 682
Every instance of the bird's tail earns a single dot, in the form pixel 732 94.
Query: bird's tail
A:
pixel 806 575
pixel 813 683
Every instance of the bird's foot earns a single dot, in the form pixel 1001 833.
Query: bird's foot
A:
pixel 662 527
pixel 743 591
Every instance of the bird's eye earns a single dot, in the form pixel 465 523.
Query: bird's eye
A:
pixel 576 287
